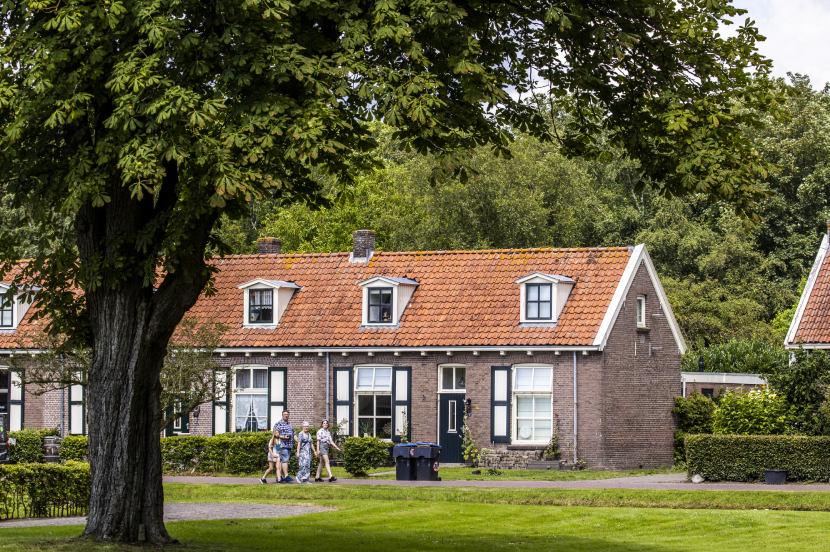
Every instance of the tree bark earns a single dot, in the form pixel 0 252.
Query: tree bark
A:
pixel 131 324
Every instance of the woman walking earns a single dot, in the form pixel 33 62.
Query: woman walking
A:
pixel 323 441
pixel 304 450
pixel 273 456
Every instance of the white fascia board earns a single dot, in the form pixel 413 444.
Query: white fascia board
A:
pixel 391 281
pixel 552 278
pixel 722 377
pixel 789 341
pixel 483 349
pixel 639 254
pixel 268 283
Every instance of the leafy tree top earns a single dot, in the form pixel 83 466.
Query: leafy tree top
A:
pixel 145 119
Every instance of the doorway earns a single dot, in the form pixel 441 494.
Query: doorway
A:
pixel 451 424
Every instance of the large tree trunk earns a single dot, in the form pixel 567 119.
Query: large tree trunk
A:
pixel 131 324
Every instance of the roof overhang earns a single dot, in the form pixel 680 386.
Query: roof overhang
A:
pixel 392 281
pixel 552 278
pixel 638 255
pixel 789 341
pixel 276 284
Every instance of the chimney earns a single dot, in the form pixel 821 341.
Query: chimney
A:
pixel 363 244
pixel 269 246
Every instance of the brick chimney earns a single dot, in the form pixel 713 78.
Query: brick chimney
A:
pixel 363 243
pixel 269 246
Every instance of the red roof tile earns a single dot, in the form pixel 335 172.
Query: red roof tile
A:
pixel 814 324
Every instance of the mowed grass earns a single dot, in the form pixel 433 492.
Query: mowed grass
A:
pixel 466 474
pixel 375 526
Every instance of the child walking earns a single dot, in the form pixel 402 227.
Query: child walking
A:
pixel 273 456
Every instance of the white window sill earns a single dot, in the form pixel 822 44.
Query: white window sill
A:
pixel 261 326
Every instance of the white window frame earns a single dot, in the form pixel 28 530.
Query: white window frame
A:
pixel 454 379
pixel 248 293
pixel 237 391
pixel 374 391
pixel 516 393
pixel 10 309
pixel 641 311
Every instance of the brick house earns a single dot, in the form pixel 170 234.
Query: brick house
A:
pixel 585 337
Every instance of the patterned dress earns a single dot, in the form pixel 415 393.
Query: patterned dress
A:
pixel 304 444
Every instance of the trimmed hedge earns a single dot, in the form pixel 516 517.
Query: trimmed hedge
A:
pixel 364 453
pixel 745 457
pixel 74 448
pixel 44 490
pixel 28 447
pixel 235 453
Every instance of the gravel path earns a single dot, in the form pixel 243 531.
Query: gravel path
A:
pixel 182 511
pixel 669 481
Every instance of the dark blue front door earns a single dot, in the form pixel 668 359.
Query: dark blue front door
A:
pixel 450 424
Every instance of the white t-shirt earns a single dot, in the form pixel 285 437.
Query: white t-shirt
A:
pixel 323 436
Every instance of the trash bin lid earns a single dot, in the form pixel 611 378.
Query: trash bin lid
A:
pixel 429 445
pixel 405 445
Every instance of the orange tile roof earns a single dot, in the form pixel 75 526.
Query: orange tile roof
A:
pixel 465 298
pixel 814 326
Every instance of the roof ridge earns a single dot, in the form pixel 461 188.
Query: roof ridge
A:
pixel 432 252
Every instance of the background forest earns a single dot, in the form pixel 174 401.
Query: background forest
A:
pixel 733 285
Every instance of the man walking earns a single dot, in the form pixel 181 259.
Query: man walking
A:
pixel 287 435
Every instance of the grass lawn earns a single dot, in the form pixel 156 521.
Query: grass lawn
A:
pixel 466 474
pixel 372 525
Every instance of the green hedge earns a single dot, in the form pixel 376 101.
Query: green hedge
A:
pixel 364 453
pixel 235 453
pixel 74 448
pixel 28 447
pixel 745 457
pixel 44 490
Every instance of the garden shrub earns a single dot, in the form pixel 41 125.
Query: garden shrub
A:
pixel 803 384
pixel 364 453
pixel 49 432
pixel 758 412
pixel 74 448
pixel 216 453
pixel 182 453
pixel 694 414
pixel 44 490
pixel 745 457
pixel 247 452
pixel 28 447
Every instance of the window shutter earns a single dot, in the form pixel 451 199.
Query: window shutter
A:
pixel 168 431
pixel 500 404
pixel 15 402
pixel 343 399
pixel 401 401
pixel 77 410
pixel 220 405
pixel 277 393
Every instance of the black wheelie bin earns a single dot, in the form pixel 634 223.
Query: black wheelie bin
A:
pixel 427 456
pixel 405 462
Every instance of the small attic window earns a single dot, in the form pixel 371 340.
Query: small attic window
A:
pixel 641 311
pixel 380 305
pixel 261 306
pixel 538 302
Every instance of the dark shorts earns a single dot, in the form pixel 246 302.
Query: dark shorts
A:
pixel 324 449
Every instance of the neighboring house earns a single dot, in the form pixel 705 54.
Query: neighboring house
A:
pixel 526 337
pixel 810 327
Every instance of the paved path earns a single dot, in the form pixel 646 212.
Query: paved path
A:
pixel 180 511
pixel 669 481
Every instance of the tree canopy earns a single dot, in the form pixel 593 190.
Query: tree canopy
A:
pixel 141 122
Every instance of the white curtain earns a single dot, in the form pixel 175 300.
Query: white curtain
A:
pixel 251 412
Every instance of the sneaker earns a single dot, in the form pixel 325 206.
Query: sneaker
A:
pixel 262 480
pixel 279 481
pixel 332 479
pixel 288 479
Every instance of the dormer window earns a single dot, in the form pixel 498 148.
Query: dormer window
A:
pixel 265 301
pixel 538 302
pixel 261 306
pixel 380 305
pixel 384 299
pixel 543 297
pixel 6 312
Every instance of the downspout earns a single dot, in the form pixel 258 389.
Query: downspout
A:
pixel 575 404
pixel 328 400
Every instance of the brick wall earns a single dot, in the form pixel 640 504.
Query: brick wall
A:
pixel 641 378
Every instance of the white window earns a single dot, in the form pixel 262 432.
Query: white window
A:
pixel 641 311
pixel 532 397
pixel 6 313
pixel 250 404
pixel 451 423
pixel 453 379
pixel 4 392
pixel 373 401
